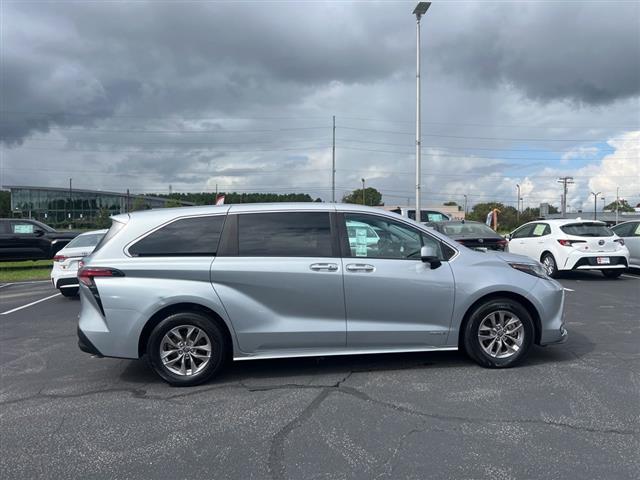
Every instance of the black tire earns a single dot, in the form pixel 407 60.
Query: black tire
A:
pixel 611 273
pixel 472 344
pixel 550 265
pixel 69 292
pixel 216 338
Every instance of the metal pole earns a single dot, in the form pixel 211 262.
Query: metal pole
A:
pixel 518 207
pixel 363 191
pixel 70 196
pixel 465 206
pixel 617 202
pixel 418 139
pixel 333 168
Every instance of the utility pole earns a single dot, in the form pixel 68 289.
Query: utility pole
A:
pixel 617 202
pixel 70 196
pixel 363 191
pixel 595 204
pixel 565 181
pixel 419 11
pixel 465 206
pixel 518 207
pixel 127 206
pixel 333 163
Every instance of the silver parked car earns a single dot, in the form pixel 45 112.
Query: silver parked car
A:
pixel 630 232
pixel 194 287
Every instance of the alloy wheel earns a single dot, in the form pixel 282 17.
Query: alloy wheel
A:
pixel 501 334
pixel 185 350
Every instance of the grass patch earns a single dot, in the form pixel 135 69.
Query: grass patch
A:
pixel 27 264
pixel 24 274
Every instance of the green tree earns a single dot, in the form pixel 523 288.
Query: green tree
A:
pixel 172 203
pixel 102 219
pixel 450 204
pixel 372 197
pixel 139 204
pixel 623 206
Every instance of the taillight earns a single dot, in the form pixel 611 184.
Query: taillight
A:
pixel 87 274
pixel 59 258
pixel 569 243
pixel 620 241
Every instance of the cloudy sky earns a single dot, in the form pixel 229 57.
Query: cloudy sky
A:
pixel 148 95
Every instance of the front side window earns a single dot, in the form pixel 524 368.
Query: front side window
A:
pixel 196 236
pixel 290 234
pixel 23 228
pixel 391 239
pixel 524 231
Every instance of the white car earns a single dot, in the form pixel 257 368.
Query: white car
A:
pixel 65 263
pixel 571 244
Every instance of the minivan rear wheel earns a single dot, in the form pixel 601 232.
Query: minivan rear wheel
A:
pixel 499 333
pixel 186 349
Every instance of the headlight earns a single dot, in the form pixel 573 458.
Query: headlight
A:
pixel 535 269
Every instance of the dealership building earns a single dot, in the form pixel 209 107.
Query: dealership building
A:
pixel 59 205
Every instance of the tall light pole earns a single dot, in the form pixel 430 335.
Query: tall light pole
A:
pixel 617 202
pixel 465 206
pixel 333 163
pixel 595 203
pixel 518 207
pixel 362 190
pixel 419 11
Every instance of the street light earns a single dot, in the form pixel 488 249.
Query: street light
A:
pixel 595 204
pixel 362 190
pixel 419 11
pixel 518 207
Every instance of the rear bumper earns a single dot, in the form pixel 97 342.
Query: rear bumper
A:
pixel 582 261
pixel 85 344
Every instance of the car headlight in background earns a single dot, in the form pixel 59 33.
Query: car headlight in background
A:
pixel 535 269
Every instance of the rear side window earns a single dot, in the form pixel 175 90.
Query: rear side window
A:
pixel 586 230
pixel 115 228
pixel 197 236
pixel 291 234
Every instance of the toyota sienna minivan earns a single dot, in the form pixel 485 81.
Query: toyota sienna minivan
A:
pixel 192 288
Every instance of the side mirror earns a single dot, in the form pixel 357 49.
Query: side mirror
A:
pixel 508 236
pixel 429 255
pixel 39 232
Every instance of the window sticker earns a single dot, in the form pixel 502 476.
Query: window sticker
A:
pixel 539 230
pixel 361 242
pixel 23 228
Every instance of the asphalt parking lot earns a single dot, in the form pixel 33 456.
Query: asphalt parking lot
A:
pixel 571 411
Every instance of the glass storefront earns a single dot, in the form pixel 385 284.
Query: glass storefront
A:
pixel 59 206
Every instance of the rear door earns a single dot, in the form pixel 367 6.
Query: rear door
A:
pixel 393 299
pixel 279 276
pixel 25 243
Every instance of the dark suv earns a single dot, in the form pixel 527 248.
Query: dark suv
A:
pixel 22 239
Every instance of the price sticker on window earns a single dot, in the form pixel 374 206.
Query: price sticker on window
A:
pixel 539 230
pixel 23 228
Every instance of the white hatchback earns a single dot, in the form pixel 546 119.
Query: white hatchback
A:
pixel 571 244
pixel 64 275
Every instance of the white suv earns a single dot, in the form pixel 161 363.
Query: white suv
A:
pixel 571 245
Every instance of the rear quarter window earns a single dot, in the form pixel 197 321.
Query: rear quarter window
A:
pixel 195 236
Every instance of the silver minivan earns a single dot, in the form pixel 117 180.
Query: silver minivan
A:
pixel 192 288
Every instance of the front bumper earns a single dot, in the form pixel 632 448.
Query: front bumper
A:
pixel 549 298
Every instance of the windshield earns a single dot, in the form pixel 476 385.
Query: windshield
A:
pixel 475 229
pixel 587 230
pixel 86 240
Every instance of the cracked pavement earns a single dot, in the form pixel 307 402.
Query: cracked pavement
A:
pixel 571 411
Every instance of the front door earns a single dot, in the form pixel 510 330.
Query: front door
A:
pixel 282 286
pixel 393 299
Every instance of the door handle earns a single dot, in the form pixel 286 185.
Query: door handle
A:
pixel 360 267
pixel 324 267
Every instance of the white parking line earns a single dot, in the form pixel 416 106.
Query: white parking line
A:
pixel 29 304
pixel 568 289
pixel 24 283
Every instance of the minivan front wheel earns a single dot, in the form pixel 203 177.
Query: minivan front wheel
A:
pixel 499 333
pixel 186 349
